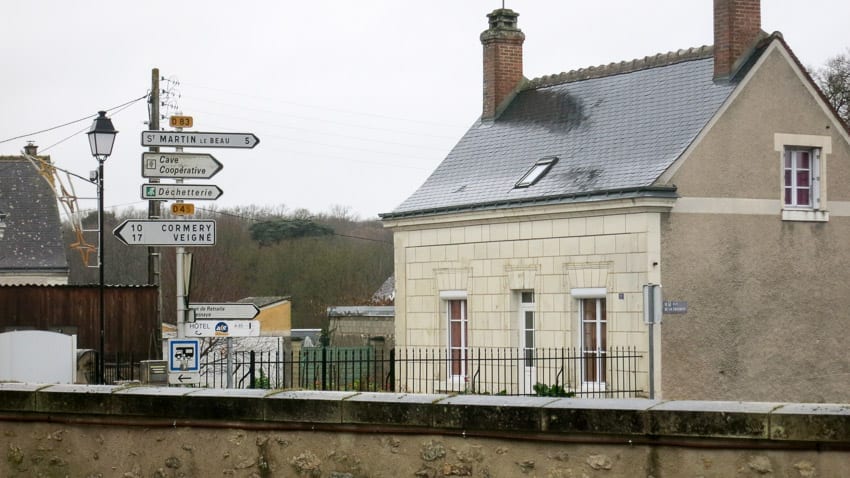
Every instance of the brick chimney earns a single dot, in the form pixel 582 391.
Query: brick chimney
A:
pixel 737 27
pixel 502 59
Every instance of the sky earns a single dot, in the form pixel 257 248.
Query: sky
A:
pixel 354 103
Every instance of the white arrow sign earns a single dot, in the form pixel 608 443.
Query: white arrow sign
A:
pixel 201 192
pixel 196 139
pixel 222 328
pixel 179 165
pixel 150 232
pixel 226 310
pixel 184 378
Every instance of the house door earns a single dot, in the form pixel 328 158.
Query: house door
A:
pixel 594 333
pixel 527 341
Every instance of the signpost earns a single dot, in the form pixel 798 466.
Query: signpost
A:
pixel 197 139
pixel 184 364
pixel 151 232
pixel 226 310
pixel 223 328
pixel 199 192
pixel 179 165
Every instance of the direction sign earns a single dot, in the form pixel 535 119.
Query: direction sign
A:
pixel 225 310
pixel 199 139
pixel 198 192
pixel 222 328
pixel 151 232
pixel 179 165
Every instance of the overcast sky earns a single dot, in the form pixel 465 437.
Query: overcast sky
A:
pixel 355 103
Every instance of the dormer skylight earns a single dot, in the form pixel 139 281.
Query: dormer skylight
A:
pixel 540 168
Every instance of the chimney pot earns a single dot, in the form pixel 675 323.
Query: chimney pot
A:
pixel 31 149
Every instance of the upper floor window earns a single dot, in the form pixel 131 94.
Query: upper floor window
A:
pixel 804 161
pixel 802 177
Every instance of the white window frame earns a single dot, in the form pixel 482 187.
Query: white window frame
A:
pixel 524 331
pixel 819 147
pixel 596 294
pixel 791 171
pixel 449 297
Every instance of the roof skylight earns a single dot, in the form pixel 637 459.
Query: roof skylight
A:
pixel 540 168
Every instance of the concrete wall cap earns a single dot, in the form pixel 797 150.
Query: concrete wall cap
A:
pixel 229 392
pixel 310 395
pixel 496 401
pixel 813 409
pixel 155 391
pixel 636 404
pixel 21 387
pixel 417 398
pixel 714 407
pixel 73 388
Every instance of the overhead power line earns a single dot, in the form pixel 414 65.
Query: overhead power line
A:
pixel 73 122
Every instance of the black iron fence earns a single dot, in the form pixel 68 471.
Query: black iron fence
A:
pixel 116 368
pixel 619 372
pixel 616 372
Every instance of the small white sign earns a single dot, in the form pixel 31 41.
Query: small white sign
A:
pixel 179 165
pixel 150 232
pixel 199 192
pixel 223 328
pixel 224 310
pixel 199 139
pixel 184 378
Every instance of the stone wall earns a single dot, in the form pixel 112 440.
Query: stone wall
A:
pixel 105 431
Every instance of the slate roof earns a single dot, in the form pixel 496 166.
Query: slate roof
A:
pixel 615 130
pixel 33 238
pixel 264 301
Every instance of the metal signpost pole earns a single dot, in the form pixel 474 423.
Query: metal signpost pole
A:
pixel 181 288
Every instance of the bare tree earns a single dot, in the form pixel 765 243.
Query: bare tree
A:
pixel 834 79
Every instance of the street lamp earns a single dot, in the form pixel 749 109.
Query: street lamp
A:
pixel 101 138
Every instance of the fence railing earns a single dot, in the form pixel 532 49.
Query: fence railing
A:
pixel 613 373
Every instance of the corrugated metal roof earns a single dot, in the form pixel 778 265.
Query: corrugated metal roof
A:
pixel 362 311
pixel 614 130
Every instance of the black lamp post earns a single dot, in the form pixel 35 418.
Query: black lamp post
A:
pixel 101 138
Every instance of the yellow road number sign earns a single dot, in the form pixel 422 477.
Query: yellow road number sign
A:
pixel 182 209
pixel 181 121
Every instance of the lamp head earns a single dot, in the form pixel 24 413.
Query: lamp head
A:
pixel 101 136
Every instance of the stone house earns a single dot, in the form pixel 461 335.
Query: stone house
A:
pixel 719 172
pixel 32 249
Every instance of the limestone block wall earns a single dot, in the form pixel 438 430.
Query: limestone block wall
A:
pixel 63 430
pixel 490 261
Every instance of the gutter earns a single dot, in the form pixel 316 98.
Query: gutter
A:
pixel 662 192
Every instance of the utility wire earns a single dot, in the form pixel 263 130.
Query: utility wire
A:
pixel 118 109
pixel 72 122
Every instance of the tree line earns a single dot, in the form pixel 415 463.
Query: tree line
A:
pixel 317 260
